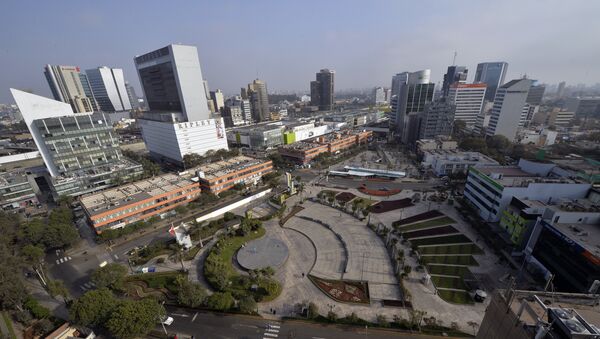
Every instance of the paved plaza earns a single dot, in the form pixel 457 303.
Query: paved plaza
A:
pixel 262 253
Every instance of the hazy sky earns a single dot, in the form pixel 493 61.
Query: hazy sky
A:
pixel 286 42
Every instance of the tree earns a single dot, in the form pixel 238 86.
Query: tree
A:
pixel 111 276
pixel 57 287
pixel 458 128
pixel 313 310
pixel 59 235
pixel 247 304
pixel 12 293
pixel 332 316
pixel 34 256
pixel 179 254
pixel 474 144
pixel 134 318
pixel 93 308
pixel 190 294
pixel 220 301
pixel 382 321
pixel 498 142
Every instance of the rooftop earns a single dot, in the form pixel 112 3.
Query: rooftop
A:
pixel 12 178
pixel 132 193
pixel 514 176
pixel 586 235
pixel 220 168
pixel 457 155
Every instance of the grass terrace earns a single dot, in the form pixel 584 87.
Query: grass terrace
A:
pixel 467 248
pixel 457 271
pixel 457 297
pixel 440 230
pixel 419 217
pixel 447 239
pixel 460 259
pixel 448 282
pixel 439 221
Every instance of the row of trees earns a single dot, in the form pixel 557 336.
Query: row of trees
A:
pixel 194 159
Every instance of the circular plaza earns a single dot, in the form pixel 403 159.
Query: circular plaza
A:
pixel 262 253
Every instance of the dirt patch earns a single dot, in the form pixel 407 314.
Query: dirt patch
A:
pixel 344 197
pixel 386 206
pixel 379 193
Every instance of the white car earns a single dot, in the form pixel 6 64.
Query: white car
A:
pixel 167 320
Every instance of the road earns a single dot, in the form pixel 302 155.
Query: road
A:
pixel 226 326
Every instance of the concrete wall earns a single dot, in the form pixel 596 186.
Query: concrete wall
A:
pixel 233 206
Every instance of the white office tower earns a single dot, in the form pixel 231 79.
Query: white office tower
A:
pixel 379 95
pixel 509 108
pixel 108 86
pixel 178 122
pixel 71 86
pixel 468 101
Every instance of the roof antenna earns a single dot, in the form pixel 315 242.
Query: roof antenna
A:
pixel 454 59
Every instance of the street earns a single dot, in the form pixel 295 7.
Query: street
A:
pixel 205 325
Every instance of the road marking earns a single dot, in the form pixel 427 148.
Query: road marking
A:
pixel 116 256
pixel 274 326
pixel 271 335
pixel 83 288
pixel 180 315
pixel 318 338
pixel 274 330
pixel 57 262
pixel 62 260
pixel 69 258
pixel 195 315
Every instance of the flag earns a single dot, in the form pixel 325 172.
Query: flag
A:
pixel 172 230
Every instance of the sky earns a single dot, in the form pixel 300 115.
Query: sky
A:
pixel 286 42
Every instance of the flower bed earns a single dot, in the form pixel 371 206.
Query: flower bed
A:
pixel 379 193
pixel 423 216
pixel 466 260
pixel 440 221
pixel 469 248
pixel 448 239
pixel 344 290
pixel 386 206
pixel 430 231
pixel 344 197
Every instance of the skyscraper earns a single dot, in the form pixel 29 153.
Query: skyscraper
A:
pixel 455 74
pixel 108 86
pixel 535 94
pixel 66 85
pixel 178 122
pixel 560 92
pixel 379 96
pixel 322 90
pixel 133 98
pixel 218 99
pixel 492 74
pixel 468 100
pixel 413 91
pixel 510 107
pixel 171 80
pixel 259 100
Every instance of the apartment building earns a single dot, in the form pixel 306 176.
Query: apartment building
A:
pixel 305 151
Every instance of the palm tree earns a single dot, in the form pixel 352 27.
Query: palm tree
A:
pixel 179 254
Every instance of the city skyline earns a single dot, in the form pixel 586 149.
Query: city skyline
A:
pixel 363 55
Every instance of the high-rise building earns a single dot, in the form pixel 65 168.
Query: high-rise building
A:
pixel 178 122
pixel 87 89
pixel 133 98
pixel 468 100
pixel 244 105
pixel 510 107
pixel 492 74
pixel 379 95
pixel 81 151
pixel 218 99
pixel 259 99
pixel 535 94
pixel 413 91
pixel 584 106
pixel 322 90
pixel 108 86
pixel 67 86
pixel 171 80
pixel 455 74
pixel 206 89
pixel 437 119
pixel 560 92
pixel 233 116
pixel 388 95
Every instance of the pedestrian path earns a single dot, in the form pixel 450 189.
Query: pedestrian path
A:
pixel 63 260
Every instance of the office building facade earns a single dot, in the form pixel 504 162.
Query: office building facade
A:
pixel 589 106
pixel 455 74
pixel 468 101
pixel 109 89
pixel 68 85
pixel 81 151
pixel 493 75
pixel 218 99
pixel 436 120
pixel 510 109
pixel 171 80
pixel 322 90
pixel 379 95
pixel 223 175
pixel 259 100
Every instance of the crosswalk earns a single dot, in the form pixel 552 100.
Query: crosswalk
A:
pixel 272 331
pixel 63 260
pixel 87 286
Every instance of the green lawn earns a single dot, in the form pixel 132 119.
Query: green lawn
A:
pixel 459 271
pixel 232 244
pixel 441 221
pixel 450 239
pixel 456 297
pixel 466 260
pixel 448 282
pixel 451 249
pixel 159 280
